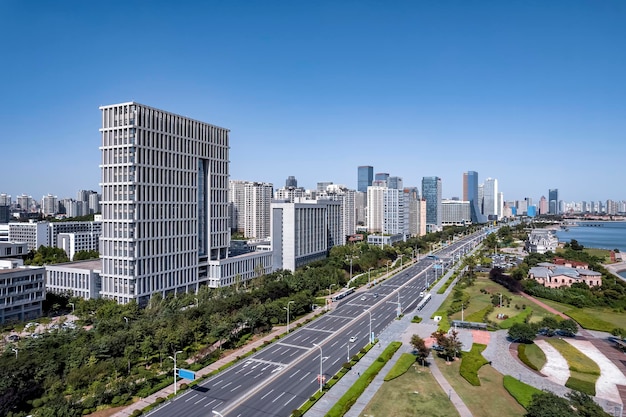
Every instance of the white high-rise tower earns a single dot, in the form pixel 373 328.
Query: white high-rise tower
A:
pixel 164 201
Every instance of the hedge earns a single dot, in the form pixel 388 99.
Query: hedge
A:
pixel 588 387
pixel 349 398
pixel 471 362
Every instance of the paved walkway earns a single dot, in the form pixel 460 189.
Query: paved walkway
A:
pixel 229 357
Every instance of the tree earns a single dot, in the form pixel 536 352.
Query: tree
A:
pixel 419 346
pixel 522 332
pixel 568 326
pixel 547 404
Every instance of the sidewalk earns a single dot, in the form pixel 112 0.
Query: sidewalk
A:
pixel 400 330
pixel 230 357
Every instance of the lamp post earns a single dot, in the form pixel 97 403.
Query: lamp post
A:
pixel 175 368
pixel 14 350
pixel 350 268
pixel 321 378
pixel 287 308
pixel 126 320
pixel 399 306
pixel 328 301
pixel 72 304
pixel 348 360
pixel 369 336
pixel 462 311
pixel 369 278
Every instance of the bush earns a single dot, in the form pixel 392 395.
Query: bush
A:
pixel 183 387
pixel 159 400
pixel 136 413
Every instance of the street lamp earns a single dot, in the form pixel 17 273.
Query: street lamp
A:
pixel 369 277
pixel 175 368
pixel 399 306
pixel 321 378
pixel 369 336
pixel 126 320
pixel 72 304
pixel 216 413
pixel 328 301
pixel 14 350
pixel 287 308
pixel 350 268
pixel 462 311
pixel 348 351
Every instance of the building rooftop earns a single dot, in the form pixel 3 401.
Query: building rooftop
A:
pixel 94 264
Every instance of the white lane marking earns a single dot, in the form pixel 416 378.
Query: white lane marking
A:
pixel 294 374
pixel 263 397
pixel 290 400
pixel 238 386
pixel 281 394
pixel 191 398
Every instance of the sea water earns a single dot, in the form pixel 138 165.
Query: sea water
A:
pixel 602 235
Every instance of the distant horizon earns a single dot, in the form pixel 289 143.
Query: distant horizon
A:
pixel 530 93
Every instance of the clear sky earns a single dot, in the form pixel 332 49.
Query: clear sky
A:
pixel 532 93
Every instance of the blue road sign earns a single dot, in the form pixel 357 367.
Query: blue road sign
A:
pixel 187 374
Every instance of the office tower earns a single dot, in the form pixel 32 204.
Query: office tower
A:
pixel 490 198
pixel 553 201
pixel 415 212
pixel 5 200
pixel 431 192
pixel 304 231
pixel 470 193
pixel 375 208
pixel 360 208
pixel 543 205
pixel 365 177
pixel 522 207
pixel 49 205
pixel 291 182
pixel 164 201
pixel 381 176
pixel 395 183
pixel 250 204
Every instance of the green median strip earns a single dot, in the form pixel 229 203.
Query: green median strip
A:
pixel 349 398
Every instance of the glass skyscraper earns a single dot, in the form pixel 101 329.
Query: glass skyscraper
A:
pixel 365 177
pixel 470 193
pixel 431 192
pixel 553 201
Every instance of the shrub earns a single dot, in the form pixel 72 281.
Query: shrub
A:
pixel 136 413
pixel 183 387
pixel 522 392
pixel 159 400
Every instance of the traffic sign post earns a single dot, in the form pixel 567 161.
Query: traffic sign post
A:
pixel 186 374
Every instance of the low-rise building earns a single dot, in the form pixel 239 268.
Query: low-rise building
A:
pixel 22 291
pixel 554 276
pixel 79 279
pixel 541 241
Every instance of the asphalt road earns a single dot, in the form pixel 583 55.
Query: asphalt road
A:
pixel 282 376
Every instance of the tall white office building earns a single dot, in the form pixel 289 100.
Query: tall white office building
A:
pixel 164 202
pixel 490 198
pixel 346 198
pixel 385 210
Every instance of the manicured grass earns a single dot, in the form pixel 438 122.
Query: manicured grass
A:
pixel 532 356
pixel 522 392
pixel 602 319
pixel 472 361
pixel 584 372
pixel 479 315
pixel 342 406
pixel 490 399
pixel 401 366
pixel 518 318
pixel 415 393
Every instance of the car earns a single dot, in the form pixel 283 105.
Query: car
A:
pixel 31 324
pixel 375 295
pixel 353 339
pixel 422 294
pixel 363 298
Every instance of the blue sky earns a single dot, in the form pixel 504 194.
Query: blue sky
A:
pixel 532 93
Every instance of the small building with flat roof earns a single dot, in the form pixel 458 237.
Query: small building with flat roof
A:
pixel 79 279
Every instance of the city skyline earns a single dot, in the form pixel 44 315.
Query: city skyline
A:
pixel 530 94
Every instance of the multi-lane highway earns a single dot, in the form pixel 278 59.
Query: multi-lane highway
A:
pixel 282 376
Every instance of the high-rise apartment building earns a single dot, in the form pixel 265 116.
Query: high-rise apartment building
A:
pixel 164 201
pixel 49 205
pixel 250 207
pixel 346 198
pixel 543 205
pixel 25 202
pixel 432 192
pixel 553 201
pixel 365 177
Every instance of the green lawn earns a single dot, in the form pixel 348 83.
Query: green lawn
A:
pixel 522 392
pixel 490 399
pixel 472 361
pixel 533 354
pixel 597 318
pixel 584 372
pixel 401 366
pixel 414 393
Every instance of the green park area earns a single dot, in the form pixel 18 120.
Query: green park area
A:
pixel 414 393
pixel 584 372
pixel 476 302
pixel 593 318
pixel 489 399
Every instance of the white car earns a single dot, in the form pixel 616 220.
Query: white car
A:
pixel 363 298
pixel 353 339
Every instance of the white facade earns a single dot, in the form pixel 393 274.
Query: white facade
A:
pixel 490 197
pixel 35 234
pixel 289 193
pixel 346 198
pixel 417 217
pixel 250 207
pixel 79 279
pixel 22 291
pixel 375 208
pixel 49 205
pixel 164 201
pixel 304 231
pixel 455 212
pixel 13 249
